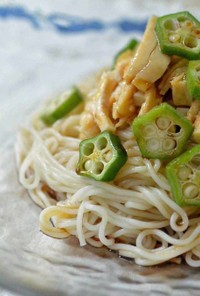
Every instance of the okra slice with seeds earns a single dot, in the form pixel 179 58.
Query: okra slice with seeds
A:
pixel 63 105
pixel 179 34
pixel 162 132
pixel 101 157
pixel 183 174
pixel 193 79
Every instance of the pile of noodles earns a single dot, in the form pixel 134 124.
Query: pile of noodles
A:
pixel 135 214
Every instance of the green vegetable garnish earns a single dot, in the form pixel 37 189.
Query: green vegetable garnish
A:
pixel 60 107
pixel 193 79
pixel 162 132
pixel 101 157
pixel 130 46
pixel 178 34
pixel 184 177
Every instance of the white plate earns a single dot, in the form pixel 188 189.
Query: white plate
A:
pixel 45 47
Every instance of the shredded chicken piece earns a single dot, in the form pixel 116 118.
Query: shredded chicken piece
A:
pixel 112 103
pixel 103 104
pixel 153 70
pixel 123 61
pixel 139 98
pixel 148 63
pixel 123 106
pixel 177 67
pixel 151 100
pixel 118 95
pixel 88 125
pixel 196 132
pixel 143 51
pixel 180 92
pixel 194 110
pixel 193 115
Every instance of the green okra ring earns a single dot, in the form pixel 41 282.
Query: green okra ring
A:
pixel 178 34
pixel 193 79
pixel 60 107
pixel 101 157
pixel 162 133
pixel 183 174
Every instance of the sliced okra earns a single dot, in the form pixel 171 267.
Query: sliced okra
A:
pixel 162 132
pixel 193 79
pixel 60 107
pixel 178 34
pixel 101 157
pixel 183 174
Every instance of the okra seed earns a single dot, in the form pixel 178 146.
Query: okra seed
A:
pixel 153 144
pixel 98 168
pixel 163 123
pixel 101 143
pixel 184 173
pixel 174 38
pixel 190 41
pixel 169 144
pixel 188 24
pixel 148 131
pixel 171 129
pixel 88 149
pixel 190 190
pixel 196 32
pixel 195 162
pixel 108 156
pixel 171 25
pixel 88 165
pixel 181 19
